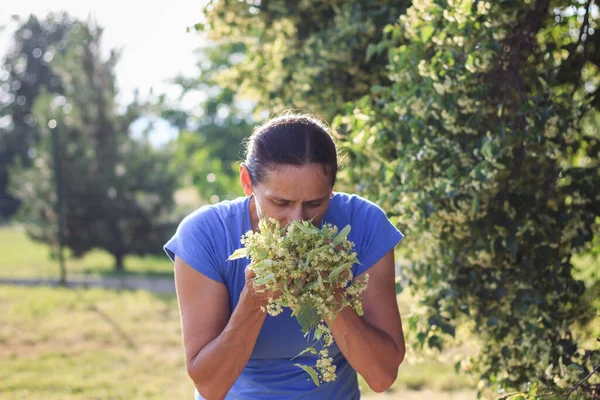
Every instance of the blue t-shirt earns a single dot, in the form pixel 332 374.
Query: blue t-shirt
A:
pixel 208 236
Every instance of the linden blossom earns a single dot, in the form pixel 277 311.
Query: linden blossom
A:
pixel 308 265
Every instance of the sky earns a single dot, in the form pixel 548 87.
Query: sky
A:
pixel 152 35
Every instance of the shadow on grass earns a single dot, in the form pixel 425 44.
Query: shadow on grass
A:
pixel 102 272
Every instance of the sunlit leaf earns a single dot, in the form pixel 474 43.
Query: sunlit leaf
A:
pixel 311 371
pixel 239 253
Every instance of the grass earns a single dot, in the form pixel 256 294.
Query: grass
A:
pixel 425 375
pixel 418 375
pixel 94 344
pixel 23 258
pixel 68 344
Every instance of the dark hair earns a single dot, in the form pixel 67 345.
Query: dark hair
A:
pixel 291 139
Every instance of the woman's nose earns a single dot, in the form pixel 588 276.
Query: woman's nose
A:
pixel 294 215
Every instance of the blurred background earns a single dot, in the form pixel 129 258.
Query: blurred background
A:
pixel 474 124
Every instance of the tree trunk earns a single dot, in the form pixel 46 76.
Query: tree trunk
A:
pixel 119 265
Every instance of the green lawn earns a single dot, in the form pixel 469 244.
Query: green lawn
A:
pixel 22 258
pixel 95 344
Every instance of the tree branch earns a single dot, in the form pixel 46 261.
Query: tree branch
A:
pixel 581 382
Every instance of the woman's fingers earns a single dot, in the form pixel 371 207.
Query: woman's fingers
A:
pixel 250 274
pixel 260 291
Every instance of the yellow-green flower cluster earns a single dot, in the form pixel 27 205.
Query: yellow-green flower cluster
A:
pixel 312 268
pixel 326 367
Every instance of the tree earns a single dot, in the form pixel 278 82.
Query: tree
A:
pixel 118 191
pixel 305 54
pixel 477 148
pixel 465 121
pixel 210 143
pixel 24 73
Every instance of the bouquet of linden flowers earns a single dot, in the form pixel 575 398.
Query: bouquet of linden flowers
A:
pixel 308 265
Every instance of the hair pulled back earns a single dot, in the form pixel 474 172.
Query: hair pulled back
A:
pixel 290 139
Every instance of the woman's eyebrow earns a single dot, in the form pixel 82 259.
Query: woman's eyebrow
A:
pixel 316 200
pixel 277 198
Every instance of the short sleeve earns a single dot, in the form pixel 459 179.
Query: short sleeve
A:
pixel 377 234
pixel 195 243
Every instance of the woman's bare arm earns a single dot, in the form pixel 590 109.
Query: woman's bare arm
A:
pixel 217 345
pixel 374 344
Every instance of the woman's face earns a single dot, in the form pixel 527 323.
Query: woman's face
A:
pixel 291 192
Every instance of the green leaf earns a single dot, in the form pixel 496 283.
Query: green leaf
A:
pixel 426 33
pixel 311 371
pixel 341 236
pixel 470 64
pixel 451 171
pixel 307 317
pixel 315 283
pixel 575 367
pixel 486 150
pixel 512 245
pixel 260 254
pixel 533 389
pixel 371 49
pixel 286 290
pixel 239 253
pixel 312 253
pixel 318 334
pixel 475 205
pixel 335 274
pixel 282 303
pixel 264 280
pixel 298 283
pixel 308 228
pixel 310 350
pixel 435 341
pixel 444 326
pixel 262 264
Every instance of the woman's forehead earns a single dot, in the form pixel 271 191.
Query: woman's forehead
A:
pixel 297 183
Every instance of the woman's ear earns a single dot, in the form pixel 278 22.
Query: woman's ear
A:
pixel 245 180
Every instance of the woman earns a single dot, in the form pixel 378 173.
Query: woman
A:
pixel 233 349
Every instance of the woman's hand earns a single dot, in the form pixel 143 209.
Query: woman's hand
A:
pixel 259 295
pixel 374 343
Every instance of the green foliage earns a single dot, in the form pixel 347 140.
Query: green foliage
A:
pixel 472 136
pixel 313 269
pixel 21 257
pixel 25 72
pixel 209 147
pixel 117 190
pixel 302 54
pixel 474 123
pixel 476 147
